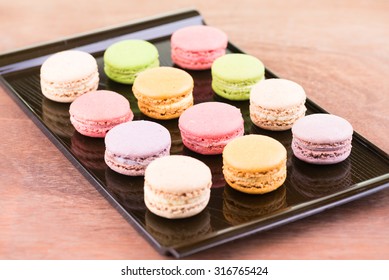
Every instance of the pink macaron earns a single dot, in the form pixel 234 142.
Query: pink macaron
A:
pixel 196 47
pixel 207 127
pixel 322 139
pixel 132 146
pixel 93 114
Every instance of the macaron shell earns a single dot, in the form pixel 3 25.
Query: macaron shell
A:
pixel 199 38
pixel 254 153
pixel 138 139
pixel 67 66
pixel 238 67
pixel 322 128
pixel 277 94
pixel 163 82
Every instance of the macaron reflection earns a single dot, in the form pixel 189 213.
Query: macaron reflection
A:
pixel 174 232
pixel 90 151
pixel 56 117
pixel 239 208
pixel 314 181
pixel 128 191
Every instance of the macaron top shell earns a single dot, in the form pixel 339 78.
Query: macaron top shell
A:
pixel 163 82
pixel 199 38
pixel 100 105
pixel 277 93
pixel 322 128
pixel 130 53
pixel 67 66
pixel 238 67
pixel 137 139
pixel 178 174
pixel 211 119
pixel 254 153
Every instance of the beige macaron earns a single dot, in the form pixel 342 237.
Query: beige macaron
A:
pixel 276 104
pixel 177 186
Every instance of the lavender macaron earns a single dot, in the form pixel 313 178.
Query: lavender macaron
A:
pixel 322 139
pixel 132 146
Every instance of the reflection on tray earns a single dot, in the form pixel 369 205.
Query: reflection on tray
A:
pixel 240 208
pixel 314 181
pixel 202 91
pixel 173 232
pixel 90 151
pixel 56 116
pixel 127 190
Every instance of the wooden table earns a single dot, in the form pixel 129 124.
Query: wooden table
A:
pixel 338 51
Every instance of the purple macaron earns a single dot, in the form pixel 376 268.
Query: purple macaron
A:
pixel 131 146
pixel 322 139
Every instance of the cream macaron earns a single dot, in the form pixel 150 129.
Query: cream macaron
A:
pixel 177 186
pixel 276 104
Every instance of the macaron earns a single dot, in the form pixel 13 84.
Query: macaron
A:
pixel 233 75
pixel 95 113
pixel 322 139
pixel 276 104
pixel 177 186
pixel 66 75
pixel 163 92
pixel 123 60
pixel 130 147
pixel 196 47
pixel 254 164
pixel 207 127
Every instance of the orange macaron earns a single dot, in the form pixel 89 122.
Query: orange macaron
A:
pixel 163 92
pixel 254 164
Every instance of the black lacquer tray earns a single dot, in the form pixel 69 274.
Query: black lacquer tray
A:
pixel 229 215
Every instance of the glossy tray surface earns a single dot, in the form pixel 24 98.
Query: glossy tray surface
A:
pixel 229 215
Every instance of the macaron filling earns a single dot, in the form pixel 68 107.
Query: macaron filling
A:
pixel 234 90
pixel 126 75
pixel 71 89
pixel 276 118
pixel 209 145
pixel 135 165
pixel 195 59
pixel 255 179
pixel 327 152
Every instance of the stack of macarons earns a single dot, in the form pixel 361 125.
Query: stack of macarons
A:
pixel 178 186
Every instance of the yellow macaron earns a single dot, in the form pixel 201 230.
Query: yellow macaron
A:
pixel 254 164
pixel 163 92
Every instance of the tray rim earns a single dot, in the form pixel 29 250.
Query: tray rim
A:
pixel 354 192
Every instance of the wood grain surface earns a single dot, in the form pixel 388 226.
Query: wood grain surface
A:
pixel 337 50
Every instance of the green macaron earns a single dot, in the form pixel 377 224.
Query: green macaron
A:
pixel 123 60
pixel 233 75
